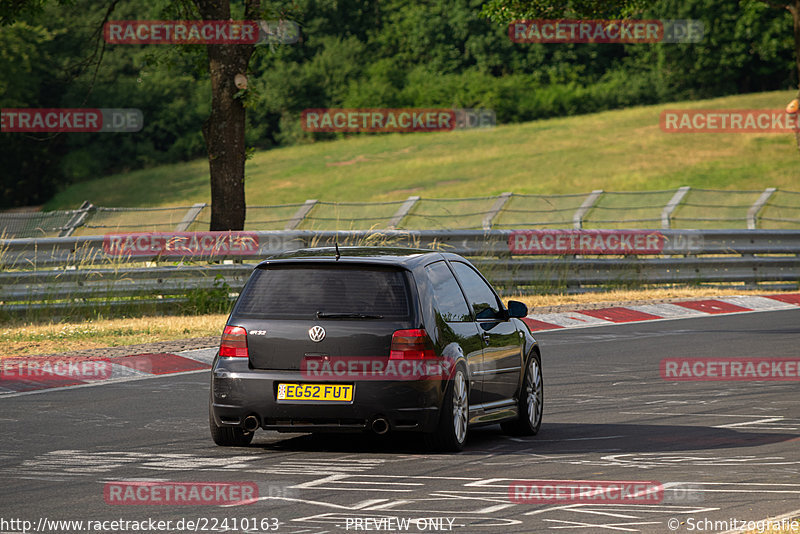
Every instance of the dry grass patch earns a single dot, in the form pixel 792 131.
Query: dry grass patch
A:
pixel 30 339
pixel 48 338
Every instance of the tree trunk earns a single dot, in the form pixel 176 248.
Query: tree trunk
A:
pixel 224 129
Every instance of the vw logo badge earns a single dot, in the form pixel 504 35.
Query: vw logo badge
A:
pixel 316 333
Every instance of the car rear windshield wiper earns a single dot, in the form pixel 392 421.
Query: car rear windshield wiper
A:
pixel 330 315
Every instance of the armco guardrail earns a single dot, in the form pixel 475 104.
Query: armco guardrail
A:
pixel 57 271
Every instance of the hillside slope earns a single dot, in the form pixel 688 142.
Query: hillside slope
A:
pixel 623 150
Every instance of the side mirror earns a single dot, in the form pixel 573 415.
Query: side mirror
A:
pixel 517 309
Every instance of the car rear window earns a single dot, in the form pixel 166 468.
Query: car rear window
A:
pixel 289 291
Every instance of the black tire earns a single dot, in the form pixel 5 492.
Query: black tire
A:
pixel 228 436
pixel 451 432
pixel 531 401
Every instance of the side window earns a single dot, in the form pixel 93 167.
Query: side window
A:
pixel 479 294
pixel 447 297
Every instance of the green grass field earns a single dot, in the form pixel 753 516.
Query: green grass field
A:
pixel 622 150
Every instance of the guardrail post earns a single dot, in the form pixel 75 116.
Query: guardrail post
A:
pixel 190 217
pixel 672 205
pixel 577 219
pixel 74 268
pixel 495 210
pixel 401 212
pixel 752 213
pixel 300 214
pixel 77 220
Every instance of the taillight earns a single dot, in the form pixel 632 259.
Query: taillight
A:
pixel 234 342
pixel 411 345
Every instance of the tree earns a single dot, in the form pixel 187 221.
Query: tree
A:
pixel 509 10
pixel 793 8
pixel 224 130
pixel 29 174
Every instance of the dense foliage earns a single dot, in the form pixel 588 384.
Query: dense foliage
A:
pixel 353 53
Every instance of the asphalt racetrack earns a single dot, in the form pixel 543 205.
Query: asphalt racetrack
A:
pixel 722 450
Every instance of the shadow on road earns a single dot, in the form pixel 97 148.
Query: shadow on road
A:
pixel 554 438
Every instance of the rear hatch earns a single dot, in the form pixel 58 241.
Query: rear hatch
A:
pixel 359 306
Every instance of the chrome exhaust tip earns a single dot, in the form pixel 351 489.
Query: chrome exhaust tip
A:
pixel 380 426
pixel 251 423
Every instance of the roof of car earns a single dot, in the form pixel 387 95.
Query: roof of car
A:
pixel 408 257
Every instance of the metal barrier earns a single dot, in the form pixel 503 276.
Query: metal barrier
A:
pixel 85 270
pixel 683 208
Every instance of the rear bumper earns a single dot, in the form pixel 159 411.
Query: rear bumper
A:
pixel 237 392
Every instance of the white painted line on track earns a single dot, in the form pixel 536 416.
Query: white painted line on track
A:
pixel 656 508
pixel 687 414
pixel 758 303
pixel 666 310
pixel 387 505
pixel 495 508
pixel 607 526
pixel 571 319
pixel 201 355
pixel 693 314
pixel 575 439
pixel 747 423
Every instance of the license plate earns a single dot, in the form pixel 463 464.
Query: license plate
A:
pixel 316 392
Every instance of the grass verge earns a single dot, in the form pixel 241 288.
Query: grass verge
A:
pixel 44 338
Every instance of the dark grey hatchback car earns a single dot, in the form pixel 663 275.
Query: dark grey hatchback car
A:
pixel 377 340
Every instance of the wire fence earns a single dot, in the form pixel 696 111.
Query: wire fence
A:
pixel 89 276
pixel 684 208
